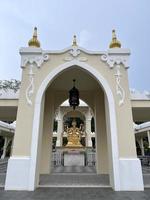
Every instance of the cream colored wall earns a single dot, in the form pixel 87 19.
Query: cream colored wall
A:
pixel 22 139
pixel 126 137
pixel 25 112
pixel 101 135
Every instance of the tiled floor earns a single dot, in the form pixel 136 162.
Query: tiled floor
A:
pixel 74 194
pixel 74 178
pixel 77 176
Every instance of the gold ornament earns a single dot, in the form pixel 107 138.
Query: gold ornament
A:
pixel 114 43
pixel 34 41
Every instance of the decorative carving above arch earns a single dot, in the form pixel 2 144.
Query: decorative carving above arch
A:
pixel 37 60
pixel 115 62
pixel 119 89
pixel 111 60
pixel 81 59
pixel 32 61
pixel 75 51
pixel 30 88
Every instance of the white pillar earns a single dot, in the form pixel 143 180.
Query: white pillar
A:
pixel 12 144
pixel 142 147
pixel 88 129
pixel 148 135
pixel 59 129
pixel 4 147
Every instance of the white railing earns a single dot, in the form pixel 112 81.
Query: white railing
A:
pixel 57 158
pixel 90 158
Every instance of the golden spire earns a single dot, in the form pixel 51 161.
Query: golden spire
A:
pixel 34 41
pixel 74 43
pixel 114 43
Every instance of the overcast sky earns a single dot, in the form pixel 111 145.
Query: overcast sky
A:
pixel 91 20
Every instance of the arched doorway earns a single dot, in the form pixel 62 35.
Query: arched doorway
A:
pixel 64 116
pixel 104 95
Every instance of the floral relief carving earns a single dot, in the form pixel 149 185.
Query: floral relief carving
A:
pixel 30 88
pixel 116 61
pixel 38 60
pixel 119 89
pixel 32 61
pixel 111 60
pixel 75 51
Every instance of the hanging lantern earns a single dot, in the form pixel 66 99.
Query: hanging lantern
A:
pixel 74 96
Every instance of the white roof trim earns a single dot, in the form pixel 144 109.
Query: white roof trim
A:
pixel 137 95
pixel 66 103
pixel 142 127
pixel 9 94
pixel 26 50
pixel 7 127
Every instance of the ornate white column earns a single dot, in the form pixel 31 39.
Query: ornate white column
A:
pixel 148 135
pixel 88 129
pixel 12 143
pixel 4 147
pixel 142 147
pixel 59 129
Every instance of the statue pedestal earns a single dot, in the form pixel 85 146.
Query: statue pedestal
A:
pixel 74 158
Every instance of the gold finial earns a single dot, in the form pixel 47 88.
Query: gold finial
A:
pixel 74 43
pixel 114 43
pixel 34 41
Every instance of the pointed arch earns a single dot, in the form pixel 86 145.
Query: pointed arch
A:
pixel 115 183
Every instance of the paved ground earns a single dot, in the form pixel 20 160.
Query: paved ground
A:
pixel 74 194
